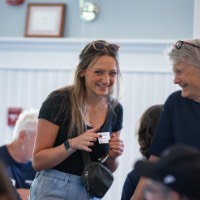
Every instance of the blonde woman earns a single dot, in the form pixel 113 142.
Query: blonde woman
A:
pixel 72 120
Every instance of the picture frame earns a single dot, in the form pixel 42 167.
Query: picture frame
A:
pixel 45 20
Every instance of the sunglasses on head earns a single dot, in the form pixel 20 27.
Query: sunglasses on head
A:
pixel 100 46
pixel 180 43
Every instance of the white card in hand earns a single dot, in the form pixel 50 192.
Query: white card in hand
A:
pixel 105 137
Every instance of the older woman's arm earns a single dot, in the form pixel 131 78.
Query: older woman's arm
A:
pixel 138 194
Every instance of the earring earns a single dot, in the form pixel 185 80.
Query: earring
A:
pixel 82 75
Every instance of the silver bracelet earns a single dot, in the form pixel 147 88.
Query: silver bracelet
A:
pixel 103 160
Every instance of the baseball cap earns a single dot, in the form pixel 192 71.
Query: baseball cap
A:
pixel 178 168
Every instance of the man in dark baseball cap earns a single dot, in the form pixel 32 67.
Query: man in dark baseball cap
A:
pixel 176 175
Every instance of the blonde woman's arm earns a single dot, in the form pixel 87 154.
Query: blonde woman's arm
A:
pixel 46 156
pixel 116 148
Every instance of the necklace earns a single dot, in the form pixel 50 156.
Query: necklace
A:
pixel 95 116
pixel 91 117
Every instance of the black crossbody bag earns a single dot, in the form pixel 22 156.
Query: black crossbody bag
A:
pixel 96 177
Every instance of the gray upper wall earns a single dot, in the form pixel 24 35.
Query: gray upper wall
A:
pixel 124 19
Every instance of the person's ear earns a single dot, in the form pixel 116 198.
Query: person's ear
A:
pixel 22 135
pixel 82 74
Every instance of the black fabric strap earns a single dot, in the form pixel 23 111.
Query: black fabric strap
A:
pixel 86 157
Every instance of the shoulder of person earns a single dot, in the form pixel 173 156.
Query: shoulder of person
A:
pixel 173 97
pixel 119 107
pixel 176 94
pixel 3 150
pixel 62 92
pixel 59 95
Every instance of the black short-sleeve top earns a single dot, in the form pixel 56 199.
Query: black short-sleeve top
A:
pixel 49 111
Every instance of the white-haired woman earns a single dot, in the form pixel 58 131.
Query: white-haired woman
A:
pixel 179 122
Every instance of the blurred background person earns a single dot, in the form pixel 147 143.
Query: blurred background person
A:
pixel 179 122
pixel 7 191
pixel 175 176
pixel 145 132
pixel 17 155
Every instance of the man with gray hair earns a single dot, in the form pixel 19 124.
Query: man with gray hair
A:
pixel 17 155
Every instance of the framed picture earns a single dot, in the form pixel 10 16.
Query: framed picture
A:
pixel 45 20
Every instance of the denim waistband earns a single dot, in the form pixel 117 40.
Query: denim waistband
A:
pixel 63 176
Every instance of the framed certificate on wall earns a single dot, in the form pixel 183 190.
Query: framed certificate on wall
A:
pixel 45 20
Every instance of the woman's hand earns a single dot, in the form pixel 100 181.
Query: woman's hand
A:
pixel 116 146
pixel 85 140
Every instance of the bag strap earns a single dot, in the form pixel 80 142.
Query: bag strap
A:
pixel 86 157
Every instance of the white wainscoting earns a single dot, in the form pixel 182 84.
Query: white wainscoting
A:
pixel 31 68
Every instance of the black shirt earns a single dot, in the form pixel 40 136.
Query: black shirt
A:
pixel 74 164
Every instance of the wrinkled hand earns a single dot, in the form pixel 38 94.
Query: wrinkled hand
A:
pixel 85 140
pixel 116 146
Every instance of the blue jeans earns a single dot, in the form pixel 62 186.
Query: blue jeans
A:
pixel 55 185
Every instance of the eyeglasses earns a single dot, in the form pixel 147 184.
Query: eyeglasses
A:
pixel 179 44
pixel 100 46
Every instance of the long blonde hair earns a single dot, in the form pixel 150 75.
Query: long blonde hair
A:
pixel 77 91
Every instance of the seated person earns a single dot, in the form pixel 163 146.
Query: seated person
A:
pixel 176 175
pixel 17 155
pixel 145 133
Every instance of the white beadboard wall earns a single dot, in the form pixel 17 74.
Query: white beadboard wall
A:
pixel 31 68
